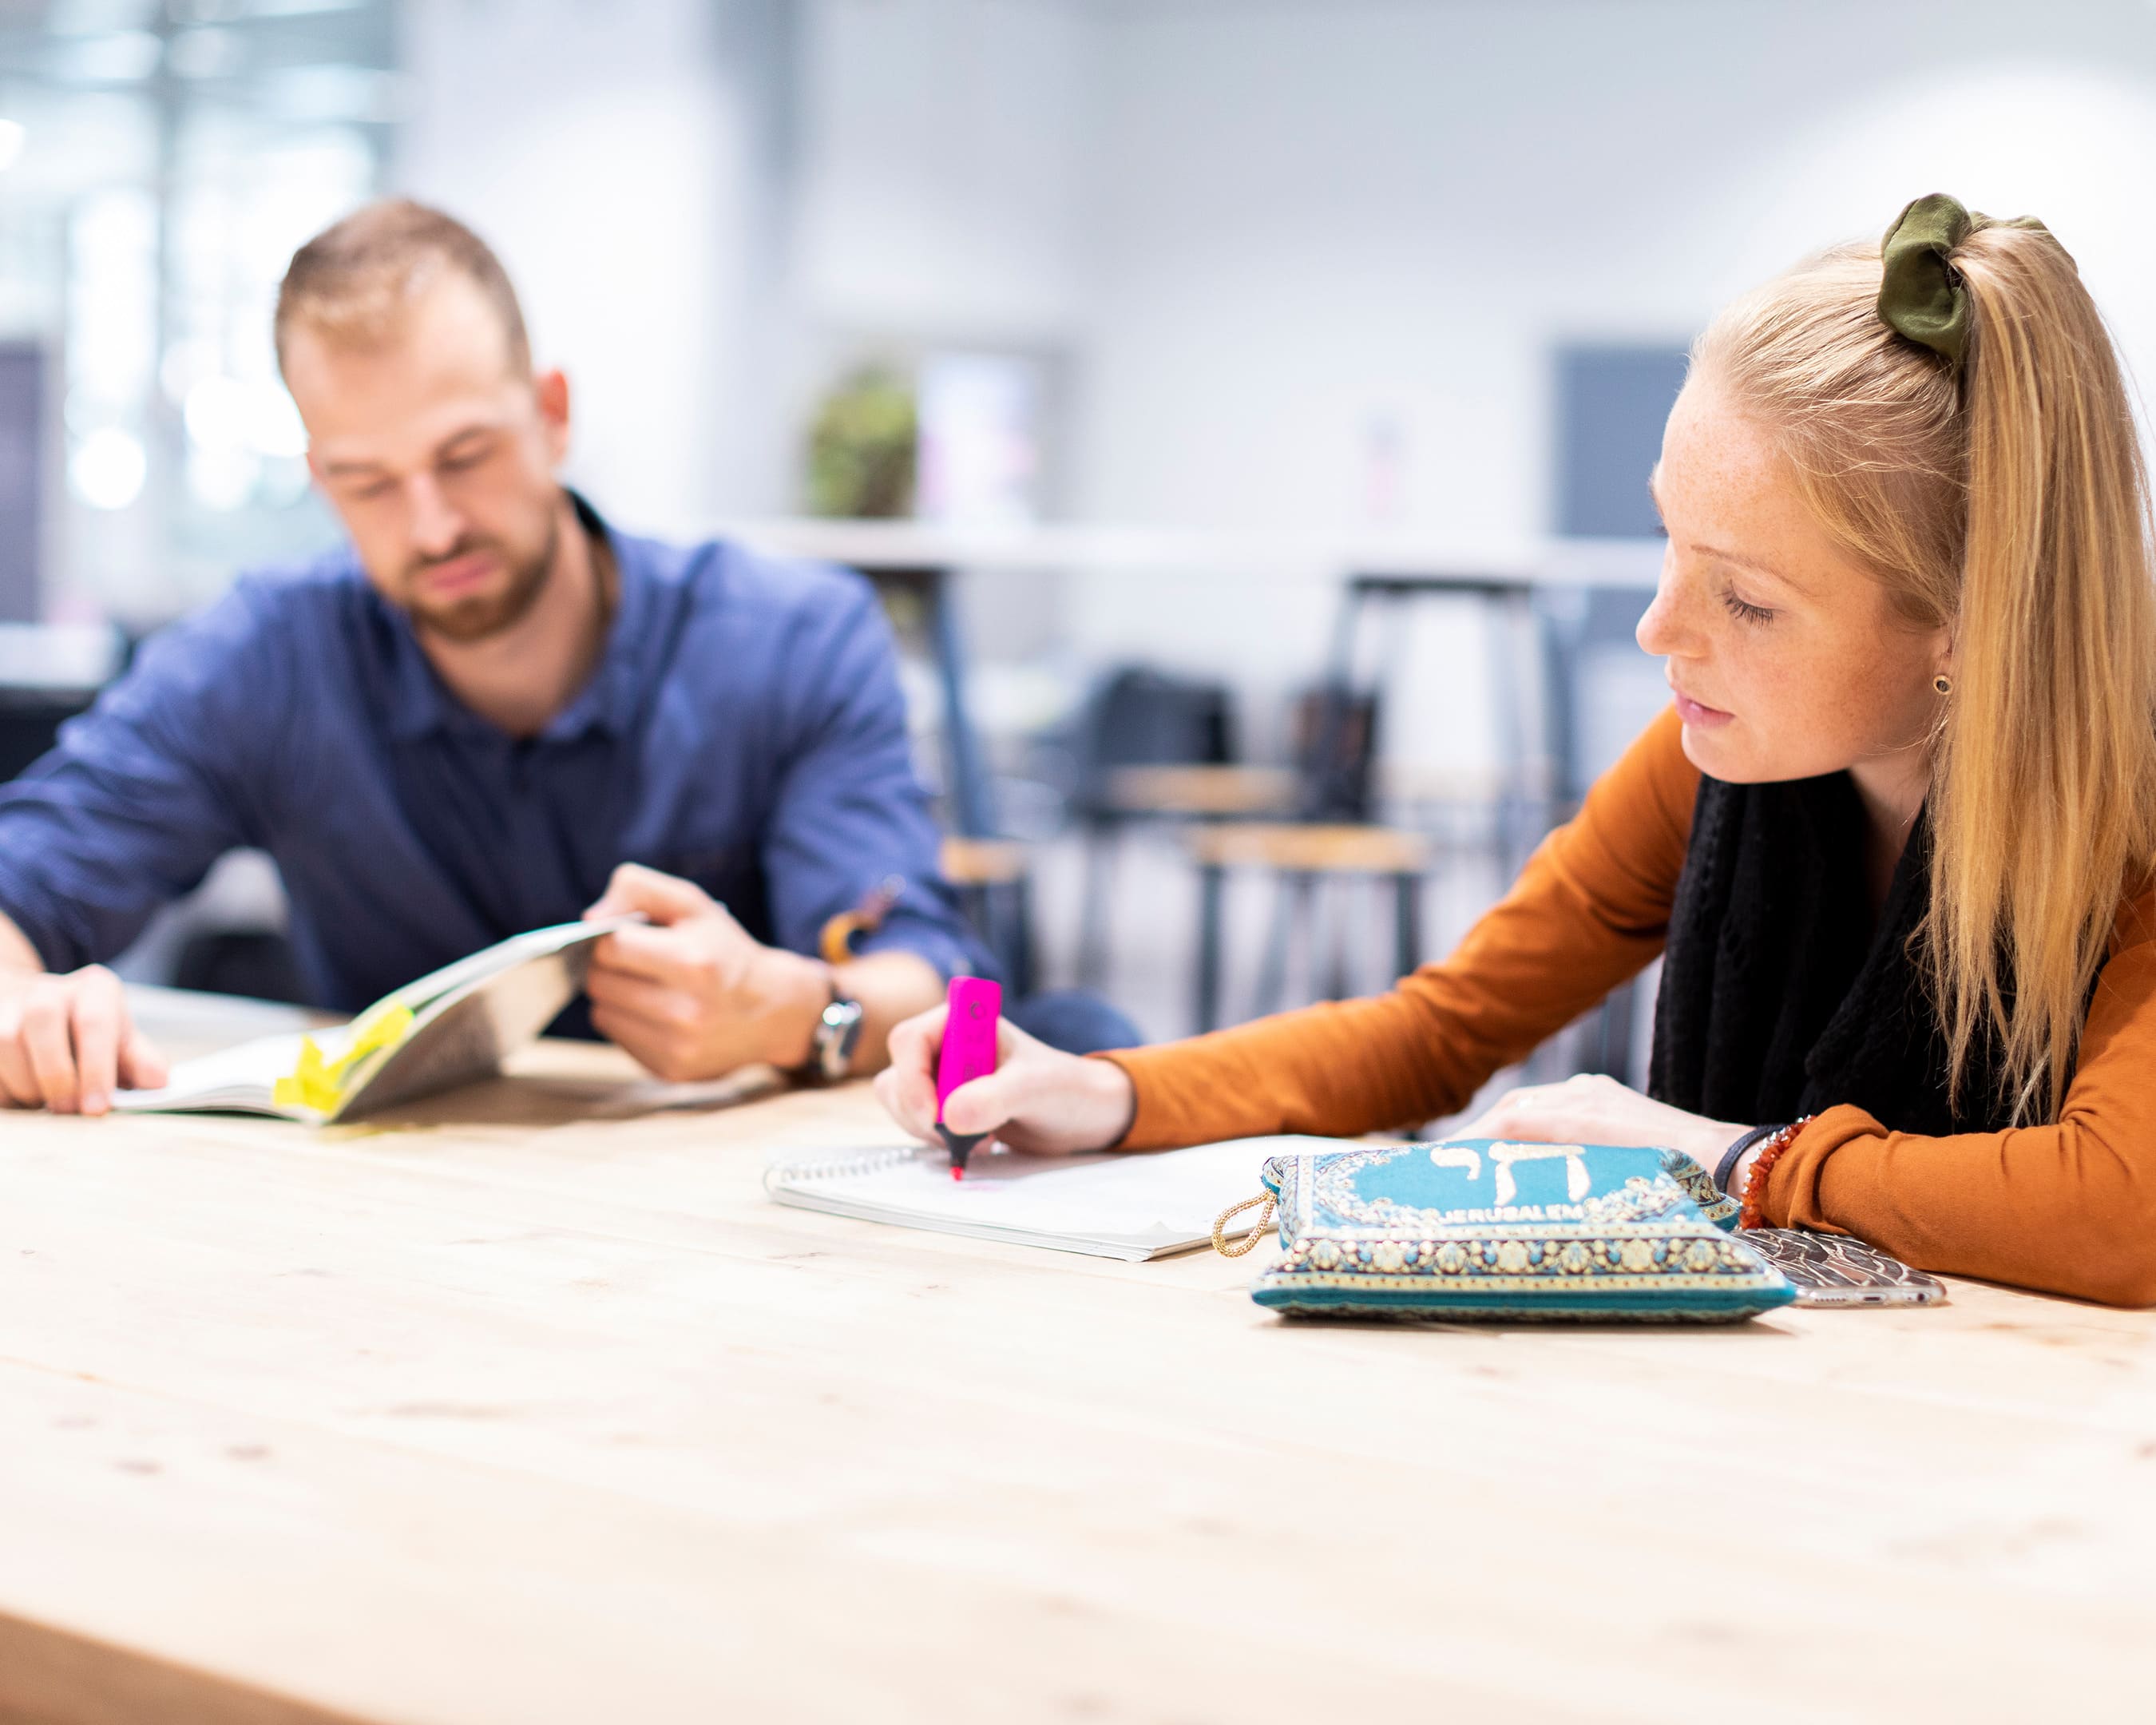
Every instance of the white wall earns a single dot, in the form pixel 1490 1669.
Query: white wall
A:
pixel 1317 214
pixel 616 153
pixel 946 159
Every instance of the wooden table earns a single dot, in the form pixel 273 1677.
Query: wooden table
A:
pixel 527 1409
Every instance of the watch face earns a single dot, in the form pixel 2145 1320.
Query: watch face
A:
pixel 837 1036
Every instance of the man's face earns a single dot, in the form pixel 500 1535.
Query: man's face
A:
pixel 440 455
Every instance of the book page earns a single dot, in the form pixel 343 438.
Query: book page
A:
pixel 246 1073
pixel 502 955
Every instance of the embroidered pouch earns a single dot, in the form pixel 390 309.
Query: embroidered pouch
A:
pixel 1478 1228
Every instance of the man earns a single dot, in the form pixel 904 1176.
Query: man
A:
pixel 491 713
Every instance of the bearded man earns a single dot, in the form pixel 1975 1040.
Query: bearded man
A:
pixel 490 711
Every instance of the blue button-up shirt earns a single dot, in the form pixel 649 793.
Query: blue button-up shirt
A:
pixel 744 729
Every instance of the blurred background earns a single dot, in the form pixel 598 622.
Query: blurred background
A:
pixel 1245 405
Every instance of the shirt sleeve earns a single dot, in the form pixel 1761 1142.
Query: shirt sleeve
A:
pixel 851 811
pixel 141 793
pixel 2068 1208
pixel 1590 909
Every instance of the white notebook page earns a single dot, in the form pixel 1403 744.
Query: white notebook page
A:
pixel 1132 1206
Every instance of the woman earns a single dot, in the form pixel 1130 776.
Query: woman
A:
pixel 1894 838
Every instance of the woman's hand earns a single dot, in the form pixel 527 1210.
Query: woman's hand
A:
pixel 1037 1099
pixel 1589 1109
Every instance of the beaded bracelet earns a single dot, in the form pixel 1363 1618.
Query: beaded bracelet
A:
pixel 1750 1214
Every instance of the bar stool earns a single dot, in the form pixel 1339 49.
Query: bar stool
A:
pixel 1300 856
pixel 1149 743
pixel 993 881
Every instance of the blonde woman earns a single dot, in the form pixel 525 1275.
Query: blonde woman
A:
pixel 1894 838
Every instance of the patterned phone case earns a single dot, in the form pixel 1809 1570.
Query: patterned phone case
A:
pixel 1833 1270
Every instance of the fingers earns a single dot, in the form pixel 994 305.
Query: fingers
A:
pixel 1011 1042
pixel 142 1063
pixel 906 1087
pixel 1502 1118
pixel 1551 1113
pixel 992 1101
pixel 98 1020
pixel 1024 1077
pixel 659 1045
pixel 18 1084
pixel 1037 1101
pixel 694 965
pixel 664 898
pixel 48 1043
pixel 905 1105
pixel 657 1002
pixel 66 1044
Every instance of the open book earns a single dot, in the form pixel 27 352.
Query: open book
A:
pixel 443 1030
pixel 1147 1204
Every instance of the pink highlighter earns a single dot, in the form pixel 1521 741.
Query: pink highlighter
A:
pixel 969 1052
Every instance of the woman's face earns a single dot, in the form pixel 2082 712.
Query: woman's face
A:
pixel 1787 660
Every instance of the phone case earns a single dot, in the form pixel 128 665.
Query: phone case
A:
pixel 1833 1270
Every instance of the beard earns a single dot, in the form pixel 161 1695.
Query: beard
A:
pixel 477 616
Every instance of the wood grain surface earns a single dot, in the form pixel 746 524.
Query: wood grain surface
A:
pixel 525 1405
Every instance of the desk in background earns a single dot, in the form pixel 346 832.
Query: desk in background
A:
pixel 525 1408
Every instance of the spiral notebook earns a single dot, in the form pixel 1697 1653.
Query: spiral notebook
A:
pixel 1145 1205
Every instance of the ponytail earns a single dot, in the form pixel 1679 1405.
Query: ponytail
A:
pixel 2043 799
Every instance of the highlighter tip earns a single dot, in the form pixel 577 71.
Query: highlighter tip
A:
pixel 958 1172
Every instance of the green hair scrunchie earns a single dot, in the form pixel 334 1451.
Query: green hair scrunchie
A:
pixel 1922 296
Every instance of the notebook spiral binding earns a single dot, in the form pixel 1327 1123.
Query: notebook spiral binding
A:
pixel 843 1164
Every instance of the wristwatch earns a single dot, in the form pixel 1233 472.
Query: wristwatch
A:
pixel 838 1033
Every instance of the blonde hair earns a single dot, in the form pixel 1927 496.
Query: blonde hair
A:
pixel 352 280
pixel 2006 501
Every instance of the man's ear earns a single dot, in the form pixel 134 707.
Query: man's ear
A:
pixel 550 389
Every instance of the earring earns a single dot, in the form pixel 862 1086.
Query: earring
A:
pixel 1943 683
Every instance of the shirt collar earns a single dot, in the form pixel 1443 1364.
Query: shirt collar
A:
pixel 419 704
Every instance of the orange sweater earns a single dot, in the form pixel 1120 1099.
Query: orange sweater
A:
pixel 2069 1207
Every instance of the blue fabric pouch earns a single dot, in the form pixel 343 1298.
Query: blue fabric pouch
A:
pixel 1481 1228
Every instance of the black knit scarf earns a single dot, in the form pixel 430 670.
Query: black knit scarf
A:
pixel 1780 996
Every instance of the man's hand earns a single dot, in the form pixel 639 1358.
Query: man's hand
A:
pixel 693 996
pixel 66 1042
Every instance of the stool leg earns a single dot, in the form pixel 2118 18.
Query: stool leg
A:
pixel 1407 923
pixel 1272 968
pixel 996 900
pixel 1306 922
pixel 1212 886
pixel 1093 914
pixel 1023 965
pixel 1329 925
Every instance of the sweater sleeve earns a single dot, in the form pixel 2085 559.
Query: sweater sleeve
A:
pixel 1590 910
pixel 2066 1208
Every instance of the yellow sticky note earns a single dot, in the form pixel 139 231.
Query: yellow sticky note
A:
pixel 319 1083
